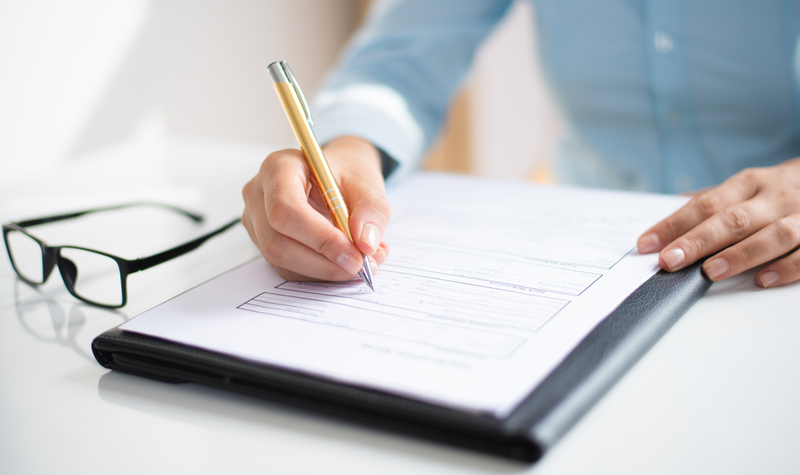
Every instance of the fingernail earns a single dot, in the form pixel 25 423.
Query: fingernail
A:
pixel 648 243
pixel 716 267
pixel 673 258
pixel 349 262
pixel 768 278
pixel 370 236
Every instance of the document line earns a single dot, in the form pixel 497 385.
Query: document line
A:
pixel 478 301
pixel 483 343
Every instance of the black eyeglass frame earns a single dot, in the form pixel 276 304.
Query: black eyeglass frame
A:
pixel 51 255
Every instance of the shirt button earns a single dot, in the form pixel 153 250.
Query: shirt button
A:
pixel 683 183
pixel 663 42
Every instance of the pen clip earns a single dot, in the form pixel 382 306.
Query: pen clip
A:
pixel 297 91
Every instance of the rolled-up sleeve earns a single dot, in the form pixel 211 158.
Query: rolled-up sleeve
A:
pixel 398 75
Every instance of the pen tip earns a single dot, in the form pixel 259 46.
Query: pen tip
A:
pixel 366 274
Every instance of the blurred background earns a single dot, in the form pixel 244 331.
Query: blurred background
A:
pixel 82 76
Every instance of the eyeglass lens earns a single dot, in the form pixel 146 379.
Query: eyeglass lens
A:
pixel 93 276
pixel 26 255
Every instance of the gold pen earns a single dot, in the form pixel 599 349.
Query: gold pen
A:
pixel 296 107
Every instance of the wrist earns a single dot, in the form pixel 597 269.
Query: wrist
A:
pixel 351 152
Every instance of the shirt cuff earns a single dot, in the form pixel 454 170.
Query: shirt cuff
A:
pixel 375 113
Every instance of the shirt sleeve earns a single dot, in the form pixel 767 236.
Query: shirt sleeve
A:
pixel 397 76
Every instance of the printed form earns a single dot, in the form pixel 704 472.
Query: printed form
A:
pixel 488 287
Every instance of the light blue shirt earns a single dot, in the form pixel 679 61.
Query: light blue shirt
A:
pixel 660 95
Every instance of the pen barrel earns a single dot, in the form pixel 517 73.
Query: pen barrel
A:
pixel 323 177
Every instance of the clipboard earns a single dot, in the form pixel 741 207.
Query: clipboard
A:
pixel 537 423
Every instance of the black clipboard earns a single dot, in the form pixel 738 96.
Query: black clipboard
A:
pixel 535 425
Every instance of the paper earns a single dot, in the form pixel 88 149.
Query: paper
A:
pixel 488 287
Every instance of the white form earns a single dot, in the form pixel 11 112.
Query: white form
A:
pixel 488 287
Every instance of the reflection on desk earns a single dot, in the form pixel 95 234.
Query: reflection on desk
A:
pixel 47 321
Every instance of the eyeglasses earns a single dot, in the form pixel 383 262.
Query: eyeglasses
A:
pixel 95 277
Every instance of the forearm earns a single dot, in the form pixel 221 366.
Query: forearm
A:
pixel 395 81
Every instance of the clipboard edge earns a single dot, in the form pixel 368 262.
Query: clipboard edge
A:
pixel 539 421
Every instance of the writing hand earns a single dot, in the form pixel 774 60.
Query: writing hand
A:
pixel 748 220
pixel 287 220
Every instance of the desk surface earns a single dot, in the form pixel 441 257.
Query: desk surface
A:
pixel 718 394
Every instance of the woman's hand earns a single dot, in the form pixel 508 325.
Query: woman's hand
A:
pixel 288 221
pixel 748 220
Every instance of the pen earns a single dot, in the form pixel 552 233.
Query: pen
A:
pixel 296 107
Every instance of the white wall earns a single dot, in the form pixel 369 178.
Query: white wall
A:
pixel 514 120
pixel 80 75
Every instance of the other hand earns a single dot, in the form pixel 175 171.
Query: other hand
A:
pixel 748 220
pixel 286 218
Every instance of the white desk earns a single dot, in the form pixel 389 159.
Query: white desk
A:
pixel 720 393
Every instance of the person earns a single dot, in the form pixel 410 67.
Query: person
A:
pixel 662 96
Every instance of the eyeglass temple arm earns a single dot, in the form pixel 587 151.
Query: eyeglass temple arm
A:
pixel 148 262
pixel 50 219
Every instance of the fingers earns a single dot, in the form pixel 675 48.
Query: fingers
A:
pixel 286 253
pixel 751 219
pixel 290 215
pixel 381 254
pixel 721 230
pixel 740 187
pixel 782 272
pixel 293 276
pixel 773 241
pixel 286 218
pixel 294 238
